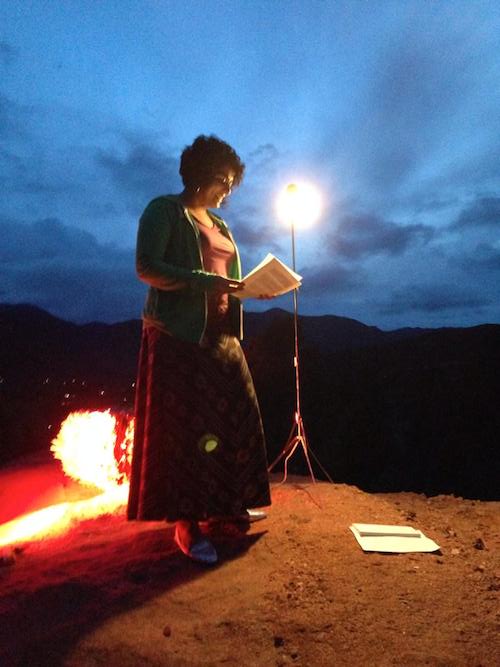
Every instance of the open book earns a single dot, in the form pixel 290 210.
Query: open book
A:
pixel 391 539
pixel 270 278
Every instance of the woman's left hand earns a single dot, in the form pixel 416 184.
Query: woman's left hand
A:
pixel 222 285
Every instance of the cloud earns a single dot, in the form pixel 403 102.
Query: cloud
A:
pixel 68 272
pixel 333 279
pixel 433 299
pixel 426 122
pixel 483 212
pixel 359 236
pixel 31 163
pixel 477 168
pixel 143 172
pixel 82 293
pixel 487 258
pixel 252 238
pixel 45 239
pixel 263 158
pixel 403 117
pixel 480 262
pixel 43 177
pixel 254 242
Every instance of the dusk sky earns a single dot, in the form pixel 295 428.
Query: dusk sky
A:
pixel 391 108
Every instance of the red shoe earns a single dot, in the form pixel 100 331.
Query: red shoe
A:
pixel 190 541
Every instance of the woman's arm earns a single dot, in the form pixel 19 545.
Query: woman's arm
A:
pixel 152 239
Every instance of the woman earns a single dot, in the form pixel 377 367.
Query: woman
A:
pixel 199 449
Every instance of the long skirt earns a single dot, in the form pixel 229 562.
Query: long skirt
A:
pixel 199 447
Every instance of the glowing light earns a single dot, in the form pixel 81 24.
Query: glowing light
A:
pixel 30 525
pixel 299 204
pixel 57 519
pixel 208 443
pixel 89 446
pixel 95 448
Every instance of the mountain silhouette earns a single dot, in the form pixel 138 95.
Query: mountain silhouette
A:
pixel 410 409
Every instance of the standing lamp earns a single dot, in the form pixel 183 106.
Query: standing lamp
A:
pixel 297 205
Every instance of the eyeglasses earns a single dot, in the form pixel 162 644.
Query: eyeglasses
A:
pixel 224 180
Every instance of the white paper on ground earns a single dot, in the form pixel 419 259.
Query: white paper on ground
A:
pixel 391 539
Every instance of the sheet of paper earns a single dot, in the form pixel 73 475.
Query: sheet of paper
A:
pixel 270 278
pixel 392 539
pixel 377 530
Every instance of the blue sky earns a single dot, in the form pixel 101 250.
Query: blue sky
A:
pixel 390 108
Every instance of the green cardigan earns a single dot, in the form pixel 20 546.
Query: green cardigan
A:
pixel 169 260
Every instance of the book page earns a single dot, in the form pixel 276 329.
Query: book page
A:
pixel 392 539
pixel 373 529
pixel 270 278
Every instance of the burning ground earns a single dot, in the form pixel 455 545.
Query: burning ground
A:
pixel 296 589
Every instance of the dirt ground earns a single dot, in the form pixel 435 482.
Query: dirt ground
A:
pixel 295 590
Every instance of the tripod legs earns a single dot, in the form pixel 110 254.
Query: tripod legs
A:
pixel 297 437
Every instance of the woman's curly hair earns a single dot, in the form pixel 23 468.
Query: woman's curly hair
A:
pixel 206 157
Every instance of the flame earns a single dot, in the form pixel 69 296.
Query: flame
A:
pixel 57 519
pixel 95 448
pixel 32 524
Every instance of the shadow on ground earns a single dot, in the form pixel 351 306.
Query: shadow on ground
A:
pixel 67 592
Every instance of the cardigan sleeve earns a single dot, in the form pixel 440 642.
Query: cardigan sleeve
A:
pixel 152 238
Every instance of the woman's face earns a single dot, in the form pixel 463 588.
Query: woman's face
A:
pixel 213 194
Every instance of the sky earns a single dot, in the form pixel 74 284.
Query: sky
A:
pixel 391 109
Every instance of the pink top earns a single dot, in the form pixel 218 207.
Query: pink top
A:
pixel 218 252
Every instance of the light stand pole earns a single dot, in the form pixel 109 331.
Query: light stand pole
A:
pixel 297 434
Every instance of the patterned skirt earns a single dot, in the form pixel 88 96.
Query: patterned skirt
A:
pixel 199 447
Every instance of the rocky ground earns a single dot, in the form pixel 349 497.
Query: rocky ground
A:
pixel 295 590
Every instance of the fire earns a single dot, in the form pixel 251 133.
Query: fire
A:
pixel 57 519
pixel 95 448
pixel 32 524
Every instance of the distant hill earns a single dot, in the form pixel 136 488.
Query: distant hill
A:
pixel 33 341
pixel 328 333
pixel 417 411
pixel 54 336
pixel 411 409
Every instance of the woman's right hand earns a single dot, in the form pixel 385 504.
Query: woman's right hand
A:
pixel 223 285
